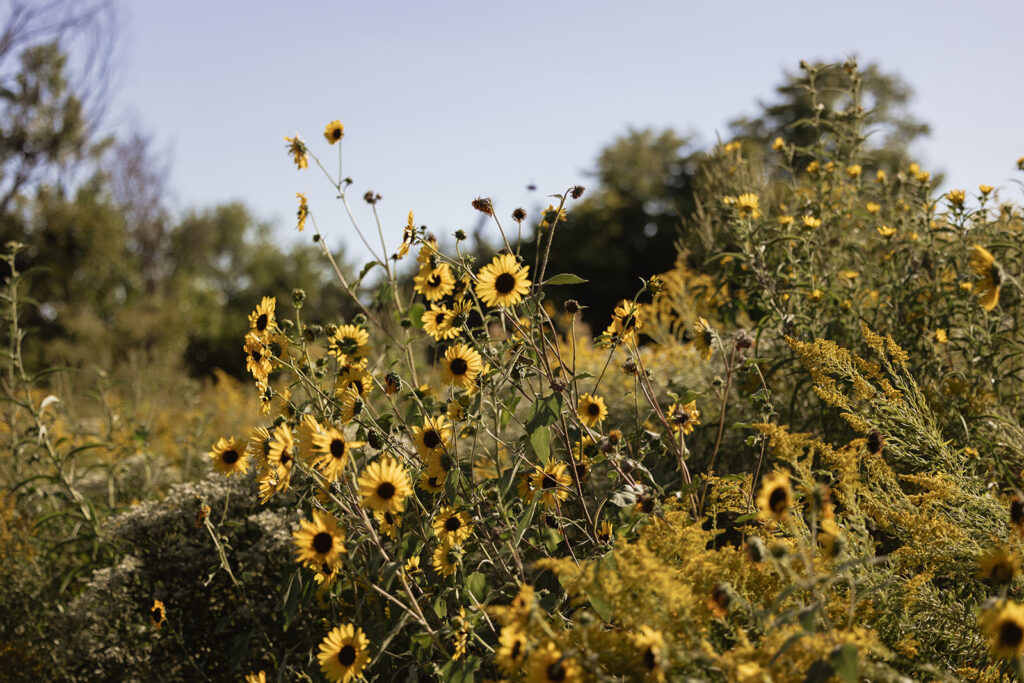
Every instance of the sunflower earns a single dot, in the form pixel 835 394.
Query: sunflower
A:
pixel 334 132
pixel 511 650
pixel 428 252
pixel 452 526
pixel 455 410
pixel 384 486
pixel 297 148
pixel 302 213
pixel 319 542
pixel 228 458
pixel 747 204
pixel 703 338
pixel 626 321
pixel 776 497
pixel 651 645
pixel 389 523
pixel 433 438
pixel 257 358
pixel 259 445
pixel 431 482
pixel 282 448
pixel 1005 626
pixel 1017 515
pixel 1000 565
pixel 985 267
pixel 718 601
pixel 354 377
pixel 434 283
pixel 262 321
pixel 461 365
pixel 549 665
pixel 260 677
pixel 435 323
pixel 343 653
pixel 684 417
pixel 348 343
pixel 502 282
pixel 552 482
pixel 445 559
pixel 331 451
pixel 605 532
pixel 352 406
pixel 591 410
pixel 157 614
pixel 326 575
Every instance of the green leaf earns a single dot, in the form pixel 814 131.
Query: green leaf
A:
pixel 544 412
pixel 476 585
pixel 844 661
pixel 540 439
pixel 416 315
pixel 564 279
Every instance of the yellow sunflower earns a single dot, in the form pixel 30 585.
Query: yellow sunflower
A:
pixel 445 559
pixel 384 486
pixel 433 438
pixel 262 321
pixel 389 523
pixel 260 677
pixel 461 365
pixel 605 532
pixel 431 482
pixel 511 650
pixel 157 614
pixel 352 406
pixel 354 377
pixel 651 646
pixel 435 323
pixel 549 665
pixel 552 482
pixel 747 204
pixel 452 526
pixel 434 283
pixel 591 410
pixel 334 132
pixel 331 452
pixel 703 338
pixel 985 267
pixel 257 358
pixel 259 445
pixel 684 417
pixel 343 653
pixel 281 454
pixel 319 542
pixel 1005 626
pixel 297 148
pixel 776 496
pixel 502 282
pixel 348 343
pixel 228 458
pixel 626 321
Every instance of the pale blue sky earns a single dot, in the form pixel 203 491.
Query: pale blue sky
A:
pixel 444 102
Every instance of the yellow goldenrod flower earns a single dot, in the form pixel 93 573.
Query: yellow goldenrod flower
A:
pixel 956 198
pixel 985 190
pixel 886 231
pixel 811 222
pixel 853 170
pixel 880 176
pixel 778 144
pixel 941 336
pixel 873 208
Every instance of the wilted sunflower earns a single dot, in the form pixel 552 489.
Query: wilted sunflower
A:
pixel 297 148
pixel 1005 626
pixel 651 646
pixel 319 542
pixel 228 458
pixel 334 132
pixel 157 614
pixel 549 665
pixel 331 451
pixel 384 486
pixel 262 321
pixel 434 283
pixel 433 438
pixel 452 526
pixel 445 559
pixel 703 338
pixel 511 650
pixel 435 323
pixel 348 344
pixel 302 213
pixel 461 365
pixel 502 282
pixel 991 277
pixel 591 409
pixel 552 483
pixel 389 523
pixel 684 417
pixel 343 653
pixel 776 496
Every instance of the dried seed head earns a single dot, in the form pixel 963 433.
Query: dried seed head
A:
pixel 876 442
pixel 572 307
pixel 483 205
pixel 519 215
pixel 577 191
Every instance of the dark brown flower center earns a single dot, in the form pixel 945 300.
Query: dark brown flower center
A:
pixel 778 500
pixel 262 321
pixel 389 518
pixel 158 614
pixel 434 482
pixel 1017 511
pixel 431 439
pixel 555 671
pixel 439 320
pixel 505 283
pixel 347 655
pixel 516 649
pixel 549 482
pixel 458 366
pixel 647 506
pixel 650 659
pixel 434 280
pixel 593 409
pixel 336 133
pixel 1010 634
pixel 323 542
pixel 338 448
pixel 229 456
pixel 386 490
pixel 452 524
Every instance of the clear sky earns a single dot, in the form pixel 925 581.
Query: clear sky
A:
pixel 446 101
